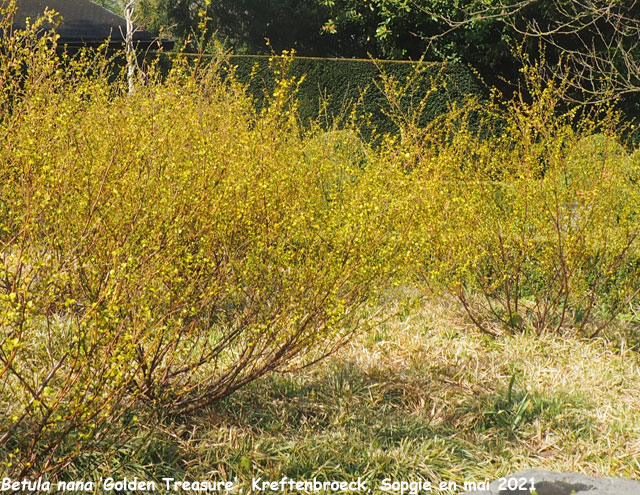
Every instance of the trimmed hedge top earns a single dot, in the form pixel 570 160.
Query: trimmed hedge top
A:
pixel 337 84
pixel 332 86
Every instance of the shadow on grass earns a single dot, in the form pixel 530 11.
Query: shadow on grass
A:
pixel 341 420
pixel 401 417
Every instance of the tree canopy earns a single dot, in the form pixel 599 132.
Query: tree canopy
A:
pixel 596 41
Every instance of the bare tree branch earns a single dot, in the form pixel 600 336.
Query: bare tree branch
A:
pixel 597 41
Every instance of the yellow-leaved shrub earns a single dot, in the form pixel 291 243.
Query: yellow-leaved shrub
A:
pixel 527 212
pixel 167 247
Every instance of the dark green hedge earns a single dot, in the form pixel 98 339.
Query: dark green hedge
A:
pixel 341 82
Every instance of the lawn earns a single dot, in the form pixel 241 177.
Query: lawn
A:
pixel 424 396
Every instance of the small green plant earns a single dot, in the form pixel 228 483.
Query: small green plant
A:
pixel 512 410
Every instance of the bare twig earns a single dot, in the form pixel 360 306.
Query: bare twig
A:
pixel 600 38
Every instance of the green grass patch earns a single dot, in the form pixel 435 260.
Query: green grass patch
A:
pixel 428 398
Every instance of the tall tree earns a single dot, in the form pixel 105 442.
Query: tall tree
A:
pixel 246 25
pixel 597 41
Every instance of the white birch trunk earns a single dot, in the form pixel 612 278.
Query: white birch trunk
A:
pixel 130 49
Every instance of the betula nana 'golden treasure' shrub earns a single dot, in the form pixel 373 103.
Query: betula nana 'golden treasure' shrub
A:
pixel 165 247
pixel 527 212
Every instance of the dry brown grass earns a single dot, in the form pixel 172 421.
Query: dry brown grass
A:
pixel 426 395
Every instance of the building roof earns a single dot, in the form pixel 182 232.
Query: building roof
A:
pixel 86 23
